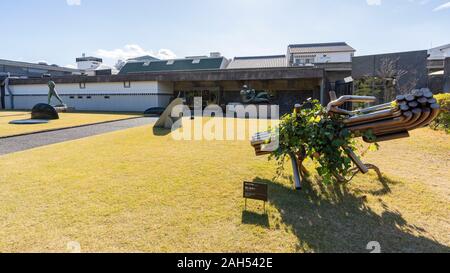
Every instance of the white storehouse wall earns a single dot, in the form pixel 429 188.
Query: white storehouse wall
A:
pixel 328 57
pixel 107 96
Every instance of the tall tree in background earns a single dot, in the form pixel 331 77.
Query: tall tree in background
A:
pixel 392 77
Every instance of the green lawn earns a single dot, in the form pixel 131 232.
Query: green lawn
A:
pixel 134 191
pixel 66 120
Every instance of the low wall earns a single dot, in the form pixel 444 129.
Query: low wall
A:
pixel 105 103
pixel 110 97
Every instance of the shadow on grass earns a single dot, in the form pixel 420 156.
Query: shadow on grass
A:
pixel 252 218
pixel 332 219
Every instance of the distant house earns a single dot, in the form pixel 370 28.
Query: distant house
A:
pixel 436 57
pixel 88 63
pixel 258 62
pixel 439 53
pixel 93 66
pixel 146 58
pixel 311 54
pixel 146 82
pixel 33 70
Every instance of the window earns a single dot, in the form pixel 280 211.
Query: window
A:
pixel 82 85
pixel 304 60
pixel 88 97
pixel 80 97
pixel 196 61
pixel 170 62
pixel 127 84
pixel 107 97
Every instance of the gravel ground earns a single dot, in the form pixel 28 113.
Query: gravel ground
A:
pixel 22 143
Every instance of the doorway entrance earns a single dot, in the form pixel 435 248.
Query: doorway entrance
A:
pixel 209 96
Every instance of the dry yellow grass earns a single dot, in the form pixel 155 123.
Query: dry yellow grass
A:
pixel 134 191
pixel 66 120
pixel 424 158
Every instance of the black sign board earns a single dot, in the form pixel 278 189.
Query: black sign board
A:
pixel 256 191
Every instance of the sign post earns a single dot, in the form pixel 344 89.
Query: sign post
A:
pixel 256 191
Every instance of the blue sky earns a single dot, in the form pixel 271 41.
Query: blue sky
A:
pixel 57 31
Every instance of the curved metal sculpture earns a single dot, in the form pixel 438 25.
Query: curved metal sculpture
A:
pixel 387 122
pixel 251 96
pixel 166 120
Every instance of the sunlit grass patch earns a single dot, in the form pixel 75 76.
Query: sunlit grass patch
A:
pixel 66 120
pixel 134 191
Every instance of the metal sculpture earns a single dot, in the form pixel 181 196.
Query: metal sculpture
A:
pixel 53 93
pixel 387 122
pixel 167 120
pixel 250 96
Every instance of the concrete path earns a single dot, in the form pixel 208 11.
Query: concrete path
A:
pixel 22 143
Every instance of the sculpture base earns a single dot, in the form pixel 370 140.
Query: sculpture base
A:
pixel 28 121
pixel 63 108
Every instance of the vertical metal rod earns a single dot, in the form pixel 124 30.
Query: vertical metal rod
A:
pixel 361 166
pixel 297 179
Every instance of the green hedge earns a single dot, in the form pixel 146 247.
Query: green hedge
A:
pixel 443 120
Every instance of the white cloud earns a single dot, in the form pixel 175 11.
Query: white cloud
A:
pixel 373 2
pixel 73 2
pixel 443 6
pixel 133 51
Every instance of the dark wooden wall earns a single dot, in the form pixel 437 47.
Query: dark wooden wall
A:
pixel 286 93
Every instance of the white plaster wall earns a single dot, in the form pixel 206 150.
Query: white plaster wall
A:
pixel 336 57
pixel 88 65
pixel 166 88
pixel 439 53
pixel 111 97
pixel 331 57
pixel 115 103
pixel 74 88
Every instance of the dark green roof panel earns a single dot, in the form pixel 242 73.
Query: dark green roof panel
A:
pixel 178 65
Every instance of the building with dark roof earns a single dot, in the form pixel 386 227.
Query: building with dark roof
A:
pixel 258 62
pixel 143 84
pixel 33 70
pixel 187 64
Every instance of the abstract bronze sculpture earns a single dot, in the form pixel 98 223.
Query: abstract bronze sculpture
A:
pixel 251 96
pixel 386 122
pixel 44 111
pixel 167 120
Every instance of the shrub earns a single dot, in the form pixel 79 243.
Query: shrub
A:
pixel 316 135
pixel 442 122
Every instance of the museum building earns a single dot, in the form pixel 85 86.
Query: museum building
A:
pixel 305 71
